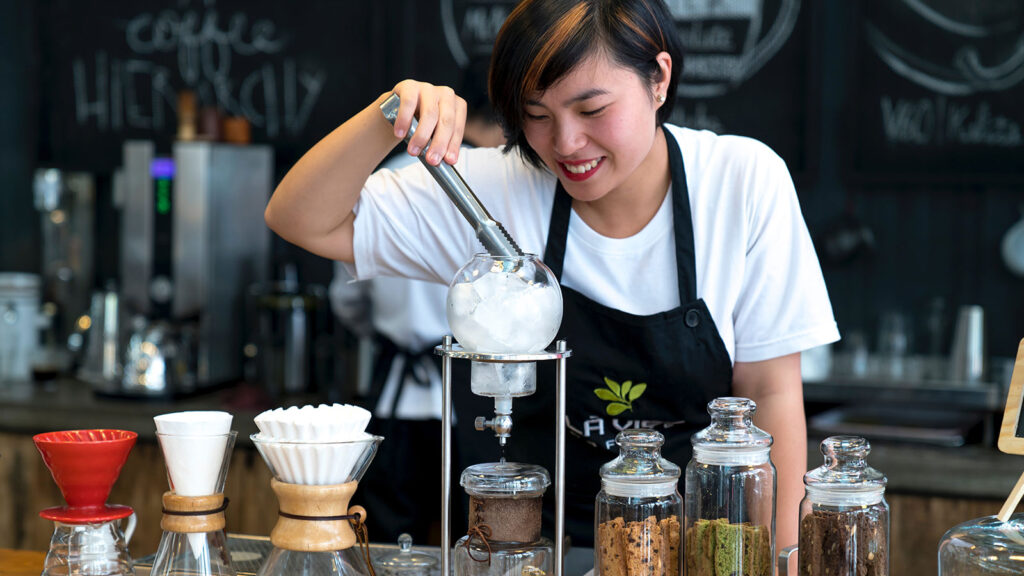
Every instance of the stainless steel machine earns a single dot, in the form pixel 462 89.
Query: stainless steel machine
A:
pixel 65 202
pixel 193 240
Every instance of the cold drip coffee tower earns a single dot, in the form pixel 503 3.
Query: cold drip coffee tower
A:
pixel 504 310
pixel 504 307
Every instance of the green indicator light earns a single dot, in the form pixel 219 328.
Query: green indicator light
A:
pixel 163 197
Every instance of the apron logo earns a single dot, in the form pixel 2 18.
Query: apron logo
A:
pixel 620 397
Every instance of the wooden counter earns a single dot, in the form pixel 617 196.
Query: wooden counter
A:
pixel 20 562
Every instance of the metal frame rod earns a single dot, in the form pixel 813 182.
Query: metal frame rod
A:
pixel 560 346
pixel 446 457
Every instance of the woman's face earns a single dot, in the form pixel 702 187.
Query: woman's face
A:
pixel 595 127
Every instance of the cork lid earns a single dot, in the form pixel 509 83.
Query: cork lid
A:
pixel 505 480
pixel 731 438
pixel 845 473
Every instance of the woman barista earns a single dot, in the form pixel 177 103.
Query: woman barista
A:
pixel 684 260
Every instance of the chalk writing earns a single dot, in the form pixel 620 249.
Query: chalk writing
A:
pixel 728 42
pixel 939 120
pixel 140 92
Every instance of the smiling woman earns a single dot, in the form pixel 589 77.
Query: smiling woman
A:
pixel 686 269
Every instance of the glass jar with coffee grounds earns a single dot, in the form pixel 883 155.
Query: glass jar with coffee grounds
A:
pixel 638 511
pixel 730 495
pixel 844 519
pixel 505 500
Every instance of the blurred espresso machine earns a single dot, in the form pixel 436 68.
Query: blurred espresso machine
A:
pixel 192 240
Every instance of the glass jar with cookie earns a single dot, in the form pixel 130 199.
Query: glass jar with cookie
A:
pixel 729 526
pixel 844 518
pixel 637 524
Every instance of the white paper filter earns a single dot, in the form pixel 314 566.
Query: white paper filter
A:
pixel 323 423
pixel 194 423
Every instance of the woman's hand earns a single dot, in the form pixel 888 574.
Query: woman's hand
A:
pixel 441 115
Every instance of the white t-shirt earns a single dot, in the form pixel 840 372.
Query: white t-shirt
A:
pixel 755 263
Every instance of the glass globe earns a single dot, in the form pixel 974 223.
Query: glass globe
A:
pixel 504 305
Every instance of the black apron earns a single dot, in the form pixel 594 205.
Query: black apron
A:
pixel 626 371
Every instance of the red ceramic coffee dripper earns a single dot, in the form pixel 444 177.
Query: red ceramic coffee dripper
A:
pixel 85 464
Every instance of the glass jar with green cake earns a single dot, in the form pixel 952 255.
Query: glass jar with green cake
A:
pixel 729 526
pixel 844 519
pixel 637 517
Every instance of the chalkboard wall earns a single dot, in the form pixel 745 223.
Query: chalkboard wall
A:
pixel 112 70
pixel 939 90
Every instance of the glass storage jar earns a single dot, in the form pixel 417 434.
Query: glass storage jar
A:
pixel 983 547
pixel 637 517
pixel 730 495
pixel 505 501
pixel 844 518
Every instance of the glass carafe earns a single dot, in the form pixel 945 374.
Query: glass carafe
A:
pixel 983 547
pixel 637 517
pixel 730 495
pixel 92 549
pixel 505 501
pixel 844 518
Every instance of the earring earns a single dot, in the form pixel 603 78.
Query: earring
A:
pixel 661 98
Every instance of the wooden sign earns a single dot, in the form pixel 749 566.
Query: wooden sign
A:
pixel 1011 433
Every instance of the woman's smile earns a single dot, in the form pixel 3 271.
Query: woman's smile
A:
pixel 579 171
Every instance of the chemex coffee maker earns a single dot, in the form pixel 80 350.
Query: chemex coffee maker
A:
pixel 87 537
pixel 504 307
pixel 192 241
pixel 317 456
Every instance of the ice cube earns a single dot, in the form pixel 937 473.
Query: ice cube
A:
pixel 462 300
pixel 470 334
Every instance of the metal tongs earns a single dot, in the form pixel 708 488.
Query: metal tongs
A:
pixel 489 231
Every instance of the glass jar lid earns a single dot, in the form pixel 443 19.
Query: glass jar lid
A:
pixel 639 458
pixel 406 560
pixel 505 480
pixel 639 470
pixel 845 477
pixel 731 438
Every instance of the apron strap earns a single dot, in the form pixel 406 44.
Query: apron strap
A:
pixel 682 225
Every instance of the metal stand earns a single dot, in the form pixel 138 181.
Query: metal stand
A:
pixel 449 350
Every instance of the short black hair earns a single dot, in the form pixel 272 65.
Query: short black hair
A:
pixel 542 40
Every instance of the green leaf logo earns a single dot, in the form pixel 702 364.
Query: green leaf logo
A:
pixel 620 397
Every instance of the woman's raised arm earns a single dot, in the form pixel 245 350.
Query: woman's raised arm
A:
pixel 312 206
